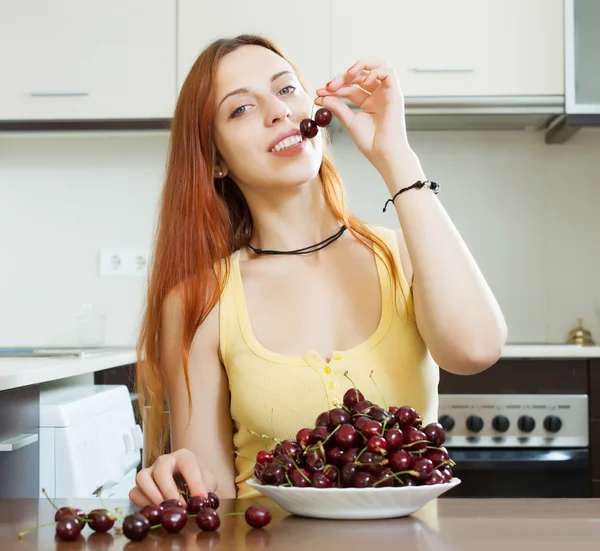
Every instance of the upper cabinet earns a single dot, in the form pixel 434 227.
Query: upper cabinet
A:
pixel 458 47
pixel 582 53
pixel 78 59
pixel 299 29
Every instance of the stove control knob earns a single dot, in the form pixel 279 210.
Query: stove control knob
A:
pixel 500 423
pixel 552 423
pixel 526 423
pixel 474 423
pixel 447 422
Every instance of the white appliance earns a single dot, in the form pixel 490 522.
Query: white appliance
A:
pixel 88 440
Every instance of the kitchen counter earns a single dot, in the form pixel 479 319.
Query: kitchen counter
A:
pixel 443 525
pixel 20 372
pixel 550 351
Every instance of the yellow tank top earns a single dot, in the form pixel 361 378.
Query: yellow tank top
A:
pixel 278 395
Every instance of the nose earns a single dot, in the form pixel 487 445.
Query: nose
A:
pixel 277 110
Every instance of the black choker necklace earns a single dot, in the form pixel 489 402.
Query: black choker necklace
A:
pixel 304 250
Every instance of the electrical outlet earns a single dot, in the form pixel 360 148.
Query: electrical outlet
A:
pixel 123 262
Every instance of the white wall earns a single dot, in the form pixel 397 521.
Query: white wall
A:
pixel 527 211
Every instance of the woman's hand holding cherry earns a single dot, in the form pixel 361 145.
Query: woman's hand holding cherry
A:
pixel 379 127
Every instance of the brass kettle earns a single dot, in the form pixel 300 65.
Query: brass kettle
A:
pixel 580 335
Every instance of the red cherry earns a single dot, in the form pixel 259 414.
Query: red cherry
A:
pixel 435 433
pixel 101 520
pixel 67 528
pixel 436 477
pixel 257 516
pixel 405 416
pixel 394 439
pixel 300 478
pixel 423 466
pixel 264 457
pixel 323 116
pixel 346 437
pixel 196 503
pixel 174 519
pixel 372 428
pixel 352 397
pixel 401 461
pixel 309 128
pixel 153 513
pixel 303 437
pixel 377 444
pixel 208 520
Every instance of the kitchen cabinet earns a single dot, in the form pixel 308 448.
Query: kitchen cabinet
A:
pixel 300 30
pixel 582 47
pixel 78 59
pixel 459 48
pixel 19 442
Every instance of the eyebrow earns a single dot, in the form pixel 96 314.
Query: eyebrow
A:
pixel 246 91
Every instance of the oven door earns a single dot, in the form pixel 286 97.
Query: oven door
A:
pixel 521 472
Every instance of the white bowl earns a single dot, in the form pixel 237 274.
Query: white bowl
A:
pixel 352 503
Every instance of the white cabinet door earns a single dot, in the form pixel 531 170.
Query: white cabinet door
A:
pixel 84 59
pixel 299 29
pixel 456 47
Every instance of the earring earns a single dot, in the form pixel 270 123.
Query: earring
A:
pixel 219 174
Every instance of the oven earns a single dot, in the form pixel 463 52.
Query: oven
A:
pixel 518 445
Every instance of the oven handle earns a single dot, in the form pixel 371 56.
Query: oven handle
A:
pixel 521 459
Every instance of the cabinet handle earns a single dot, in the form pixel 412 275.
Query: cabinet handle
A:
pixel 17 442
pixel 443 69
pixel 46 93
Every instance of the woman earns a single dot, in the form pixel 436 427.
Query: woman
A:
pixel 265 291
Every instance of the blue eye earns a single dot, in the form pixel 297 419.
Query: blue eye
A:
pixel 287 87
pixel 239 111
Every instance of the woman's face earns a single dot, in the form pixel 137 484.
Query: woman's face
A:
pixel 259 102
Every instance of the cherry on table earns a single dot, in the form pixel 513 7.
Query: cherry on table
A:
pixel 73 512
pixel 174 519
pixel 136 527
pixel 171 503
pixel 152 512
pixel 101 520
pixel 68 529
pixel 257 516
pixel 208 520
pixel 196 503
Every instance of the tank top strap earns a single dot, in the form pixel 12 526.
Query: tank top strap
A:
pixel 405 296
pixel 228 318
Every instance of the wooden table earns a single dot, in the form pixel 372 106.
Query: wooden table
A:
pixel 442 525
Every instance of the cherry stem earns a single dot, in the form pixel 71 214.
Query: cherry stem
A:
pixel 413 443
pixel 119 513
pixel 244 457
pixel 21 534
pixel 360 453
pixel 331 434
pixel 104 504
pixel 378 390
pixel 232 514
pixel 50 499
pixel 299 470
pixel 262 438
pixel 353 383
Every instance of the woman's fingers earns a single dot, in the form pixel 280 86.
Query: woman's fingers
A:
pixel 147 486
pixel 354 93
pixel 139 498
pixel 163 474
pixel 187 466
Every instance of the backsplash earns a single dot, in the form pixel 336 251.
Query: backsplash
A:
pixel 527 211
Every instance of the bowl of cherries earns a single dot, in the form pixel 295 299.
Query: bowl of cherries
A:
pixel 359 461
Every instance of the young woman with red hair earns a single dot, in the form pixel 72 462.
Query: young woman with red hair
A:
pixel 265 290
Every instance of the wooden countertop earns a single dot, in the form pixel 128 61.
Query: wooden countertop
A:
pixel 449 524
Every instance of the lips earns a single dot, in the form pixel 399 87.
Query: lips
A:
pixel 283 136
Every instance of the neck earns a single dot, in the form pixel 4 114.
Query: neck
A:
pixel 290 219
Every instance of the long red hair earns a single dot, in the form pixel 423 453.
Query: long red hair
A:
pixel 201 223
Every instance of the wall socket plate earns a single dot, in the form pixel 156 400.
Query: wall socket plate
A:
pixel 123 262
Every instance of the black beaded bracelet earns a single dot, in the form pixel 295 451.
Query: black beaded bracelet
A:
pixel 433 186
